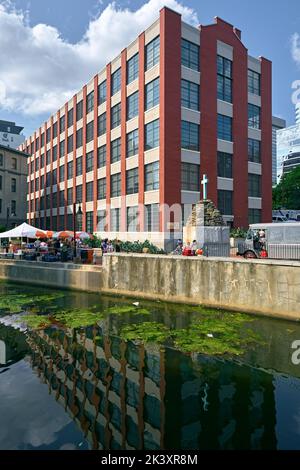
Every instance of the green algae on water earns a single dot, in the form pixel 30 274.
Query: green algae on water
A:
pixel 147 332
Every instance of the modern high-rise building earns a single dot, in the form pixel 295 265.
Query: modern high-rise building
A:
pixel 10 134
pixel 288 150
pixel 277 124
pixel 178 103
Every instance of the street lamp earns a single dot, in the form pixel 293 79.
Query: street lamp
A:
pixel 75 214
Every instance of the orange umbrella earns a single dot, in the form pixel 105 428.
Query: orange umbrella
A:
pixel 40 234
pixel 83 235
pixel 49 233
pixel 64 234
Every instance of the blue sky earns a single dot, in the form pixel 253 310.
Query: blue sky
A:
pixel 76 44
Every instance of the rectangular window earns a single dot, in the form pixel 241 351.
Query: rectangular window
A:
pixel 89 191
pixel 48 179
pixel 132 181
pixel 42 140
pixel 101 220
pixel 101 157
pixel 132 219
pixel 79 193
pixel 69 196
pixel 54 200
pixel 14 163
pixel 132 105
pixel 62 122
pixel 89 131
pixel 189 54
pixel 115 150
pixel 225 202
pixel 254 185
pixel 253 116
pixel 190 177
pixel 189 95
pixel 62 173
pixel 78 166
pixel 54 130
pixel 190 135
pixel 90 102
pixel 152 135
pixel 70 117
pixel 37 144
pixel 116 115
pixel 70 170
pixel 224 67
pixel 37 164
pixel 62 148
pixel 54 153
pixel 101 124
pixel 54 177
pixel 48 157
pixel 1 159
pixel 13 207
pixel 152 218
pixel 42 160
pixel 116 81
pixel 254 151
pixel 89 161
pixel 89 222
pixel 48 135
pixel 62 198
pixel 115 220
pixel 13 185
pixel 254 216
pixel 102 92
pixel 70 143
pixel 152 53
pixel 224 165
pixel 101 189
pixel 42 182
pixel 152 94
pixel 254 82
pixel 132 143
pixel 79 110
pixel 224 127
pixel 1 182
pixel 132 68
pixel 79 138
pixel 152 176
pixel 115 182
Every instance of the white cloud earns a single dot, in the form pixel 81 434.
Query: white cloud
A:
pixel 40 71
pixel 296 48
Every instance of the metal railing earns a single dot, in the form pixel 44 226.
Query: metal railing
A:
pixel 216 250
pixel 283 251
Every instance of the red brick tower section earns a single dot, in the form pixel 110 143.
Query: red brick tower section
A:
pixel 266 139
pixel 95 152
pixel 209 37
pixel 123 139
pixel 170 111
pixel 84 159
pixel 108 129
pixel 141 130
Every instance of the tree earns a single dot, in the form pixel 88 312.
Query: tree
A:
pixel 286 195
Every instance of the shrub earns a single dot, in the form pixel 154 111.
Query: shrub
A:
pixel 238 233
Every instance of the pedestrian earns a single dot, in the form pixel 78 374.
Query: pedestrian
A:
pixel 117 246
pixel 194 247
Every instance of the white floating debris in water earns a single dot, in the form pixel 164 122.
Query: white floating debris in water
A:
pixel 136 304
pixel 210 335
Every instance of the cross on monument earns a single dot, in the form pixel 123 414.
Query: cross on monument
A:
pixel 204 183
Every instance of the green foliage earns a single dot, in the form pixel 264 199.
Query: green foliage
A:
pixel 2 228
pixel 286 195
pixel 127 247
pixel 238 233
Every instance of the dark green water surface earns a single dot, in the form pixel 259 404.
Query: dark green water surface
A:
pixel 84 371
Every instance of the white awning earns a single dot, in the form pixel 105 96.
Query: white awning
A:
pixel 23 230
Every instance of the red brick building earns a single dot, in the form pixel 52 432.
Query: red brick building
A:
pixel 177 103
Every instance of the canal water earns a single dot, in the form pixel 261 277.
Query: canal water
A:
pixel 84 371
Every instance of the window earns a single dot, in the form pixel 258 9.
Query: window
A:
pixel 61 198
pixel 115 182
pixel 13 207
pixel 79 138
pixel 152 218
pixel 254 216
pixel 152 94
pixel 79 193
pixel 224 67
pixel 62 173
pixel 225 202
pixel 116 115
pixel 70 170
pixel 189 95
pixel 54 130
pixel 54 176
pixel 101 124
pixel 48 135
pixel 78 166
pixel 42 140
pixel 37 164
pixel 132 143
pixel 42 160
pixel 48 157
pixel 152 53
pixel 101 221
pixel 152 176
pixel 189 54
pixel 115 220
pixel 62 148
pixel 32 186
pixel 190 177
pixel 132 219
pixel 116 81
pixel 1 159
pixel 54 153
pixel 70 118
pixel 89 191
pixel 253 116
pixel 89 161
pixel 189 135
pixel 42 203
pixel 152 135
pixel 0 206
pixel 13 185
pixel 79 110
pixel 14 163
pixel 70 143
pixel 132 68
pixel 133 105
pixel 254 82
pixel 254 154
pixel 37 144
pixel 224 127
pixel 54 200
pixel 89 222
pixel 69 196
pixel 48 179
pixel 115 150
pixel 42 182
pixel 61 222
pixel 32 167
pixel 90 102
pixel 0 182
pixel 101 188
pixel 101 157
pixel 132 181
pixel 32 148
pixel 254 185
pixel 62 124
pixel 224 165
pixel 89 131
pixel 102 92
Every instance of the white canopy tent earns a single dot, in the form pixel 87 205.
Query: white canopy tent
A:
pixel 23 230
